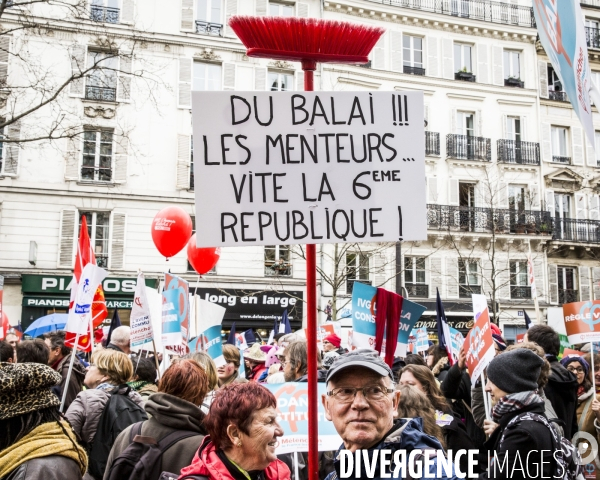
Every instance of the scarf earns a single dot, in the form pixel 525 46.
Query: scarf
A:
pixel 387 321
pixel 43 441
pixel 140 385
pixel 515 401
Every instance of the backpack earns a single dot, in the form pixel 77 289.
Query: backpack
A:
pixel 568 465
pixel 175 476
pixel 119 413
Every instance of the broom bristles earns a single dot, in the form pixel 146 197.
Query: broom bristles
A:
pixel 290 38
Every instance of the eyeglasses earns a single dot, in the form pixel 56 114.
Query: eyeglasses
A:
pixel 371 393
pixel 576 370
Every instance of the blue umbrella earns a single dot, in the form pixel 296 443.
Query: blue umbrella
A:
pixel 49 323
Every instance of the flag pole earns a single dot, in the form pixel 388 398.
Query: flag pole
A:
pixel 155 357
pixel 592 362
pixel 66 387
pixel 485 398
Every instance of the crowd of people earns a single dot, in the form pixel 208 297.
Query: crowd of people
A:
pixel 121 419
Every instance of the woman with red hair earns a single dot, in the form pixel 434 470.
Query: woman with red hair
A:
pixel 243 432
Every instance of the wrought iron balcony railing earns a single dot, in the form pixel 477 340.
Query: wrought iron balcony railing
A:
pixel 93 174
pixel 413 70
pixel 104 14
pixel 365 65
pixel 465 76
pixel 105 94
pixel 465 291
pixel 485 10
pixel 514 82
pixel 466 147
pixel 208 28
pixel 417 290
pixel 520 292
pixel 559 159
pixel 567 295
pixel 497 220
pixel 592 37
pixel 558 96
pixel 278 269
pixel 432 143
pixel 350 284
pixel 576 230
pixel 515 151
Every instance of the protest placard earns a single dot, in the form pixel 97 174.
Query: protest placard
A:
pixel 140 319
pixel 479 343
pixel 209 317
pixel 580 320
pixel 322 332
pixel 456 342
pixel 308 167
pixel 175 314
pixel 80 314
pixel 421 339
pixel 520 337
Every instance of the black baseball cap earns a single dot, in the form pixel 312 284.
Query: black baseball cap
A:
pixel 360 358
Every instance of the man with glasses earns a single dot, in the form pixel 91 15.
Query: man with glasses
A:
pixel 361 401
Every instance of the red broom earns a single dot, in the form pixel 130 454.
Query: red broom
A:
pixel 307 40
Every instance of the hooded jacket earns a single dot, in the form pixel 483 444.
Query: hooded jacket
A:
pixel 75 382
pixel 406 434
pixel 561 390
pixel 167 414
pixel 207 463
pixel 52 467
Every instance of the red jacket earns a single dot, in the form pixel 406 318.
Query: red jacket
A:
pixel 257 372
pixel 207 463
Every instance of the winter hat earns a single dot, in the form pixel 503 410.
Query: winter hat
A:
pixel 25 387
pixel 271 357
pixel 499 341
pixel 495 329
pixel 515 371
pixel 255 353
pixel 576 358
pixel 334 340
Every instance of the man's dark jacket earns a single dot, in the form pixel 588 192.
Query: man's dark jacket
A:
pixel 561 390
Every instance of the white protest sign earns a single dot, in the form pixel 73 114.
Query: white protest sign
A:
pixel 81 313
pixel 141 321
pixel 308 167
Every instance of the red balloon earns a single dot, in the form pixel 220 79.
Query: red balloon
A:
pixel 171 229
pixel 202 259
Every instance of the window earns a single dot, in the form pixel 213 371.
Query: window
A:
pixel 562 205
pixel 206 76
pixel 513 128
pixel 412 54
pixel 209 11
pixel 468 278
pixel 101 82
pixel 97 155
pixel 281 10
pixel 357 270
pixel 277 261
pixel 512 65
pixel 462 58
pixel 414 276
pixel 106 11
pixel 567 284
pixel 98 230
pixel 596 149
pixel 281 82
pixel 559 145
pixel 516 197
pixel 519 285
pixel 554 83
pixel 465 124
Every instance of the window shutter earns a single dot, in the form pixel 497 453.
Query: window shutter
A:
pixel 117 244
pixel 502 196
pixel 453 192
pixel 396 50
pixel 543 74
pixel 580 205
pixel 577 139
pixel 594 207
pixel 187 15
pixel 498 67
pixel 127 11
pixel 11 162
pixel 486 274
pixel 523 120
pixel 426 115
pixel 4 53
pixel 121 151
pixel 505 126
pixel 72 159
pixel 482 64
pixel 534 196
pixel 435 278
pixel 228 76
pixel 124 78
pixel 538 273
pixel 503 278
pixel 596 282
pixel 552 284
pixel 432 190
pixel 453 115
pixel 479 123
pixel 550 202
pixel 260 79
pixel 77 85
pixel 591 153
pixel 300 80
pixel 379 274
pixel 584 284
pixel 261 7
pixel 546 142
pixel 67 237
pixel 302 9
pixel 452 276
pixel 433 68
pixel 379 53
pixel 185 83
pixel 183 161
pixel 231 8
pixel 448 58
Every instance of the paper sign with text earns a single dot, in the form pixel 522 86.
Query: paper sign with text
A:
pixel 141 321
pixel 581 320
pixel 175 314
pixel 479 344
pixel 456 342
pixel 209 317
pixel 278 168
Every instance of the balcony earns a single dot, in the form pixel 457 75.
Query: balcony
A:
pixel 514 82
pixel 465 291
pixel 417 290
pixel 104 14
pixel 432 143
pixel 365 65
pixel 592 37
pixel 93 174
pixel 208 28
pixel 103 94
pixel 520 292
pixel 466 147
pixel 567 295
pixel 563 160
pixel 350 284
pixel 558 96
pixel 464 76
pixel 278 269
pixel 488 220
pixel 413 70
pixel 517 152
pixel 485 10
pixel 576 230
